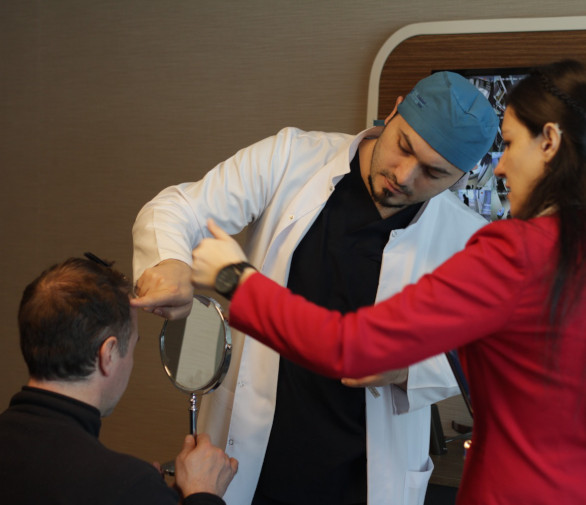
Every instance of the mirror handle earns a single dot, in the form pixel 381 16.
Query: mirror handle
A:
pixel 193 414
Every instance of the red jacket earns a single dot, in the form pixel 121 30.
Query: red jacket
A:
pixel 491 302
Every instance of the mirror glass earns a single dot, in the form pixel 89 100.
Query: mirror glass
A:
pixel 196 351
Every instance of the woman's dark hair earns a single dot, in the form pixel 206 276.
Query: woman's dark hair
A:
pixel 66 314
pixel 557 93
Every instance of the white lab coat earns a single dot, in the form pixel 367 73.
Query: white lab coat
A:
pixel 278 186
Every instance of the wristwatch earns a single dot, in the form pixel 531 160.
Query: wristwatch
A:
pixel 228 278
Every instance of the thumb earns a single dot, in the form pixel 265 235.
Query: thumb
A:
pixel 188 443
pixel 142 301
pixel 216 231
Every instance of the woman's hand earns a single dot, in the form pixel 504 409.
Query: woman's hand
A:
pixel 213 254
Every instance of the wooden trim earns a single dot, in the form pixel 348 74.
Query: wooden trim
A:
pixel 415 51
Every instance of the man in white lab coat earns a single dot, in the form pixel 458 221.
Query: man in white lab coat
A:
pixel 345 221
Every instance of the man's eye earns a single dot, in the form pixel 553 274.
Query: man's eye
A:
pixel 404 149
pixel 431 174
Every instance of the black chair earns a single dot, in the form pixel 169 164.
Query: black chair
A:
pixel 438 439
pixel 456 366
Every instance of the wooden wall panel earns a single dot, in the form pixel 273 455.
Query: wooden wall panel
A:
pixel 416 57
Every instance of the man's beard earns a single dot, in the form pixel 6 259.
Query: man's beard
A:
pixel 382 200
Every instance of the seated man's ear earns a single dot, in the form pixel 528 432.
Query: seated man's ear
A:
pixel 107 355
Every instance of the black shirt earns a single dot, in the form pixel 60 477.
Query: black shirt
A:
pixel 317 446
pixel 50 453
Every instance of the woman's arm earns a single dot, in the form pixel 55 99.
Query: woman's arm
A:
pixel 468 297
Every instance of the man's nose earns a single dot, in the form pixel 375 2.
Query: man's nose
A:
pixel 406 172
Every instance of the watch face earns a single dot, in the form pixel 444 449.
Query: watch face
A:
pixel 226 280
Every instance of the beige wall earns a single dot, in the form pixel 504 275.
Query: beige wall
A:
pixel 103 103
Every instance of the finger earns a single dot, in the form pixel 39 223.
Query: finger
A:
pixel 149 292
pixel 179 312
pixel 202 439
pixel 358 383
pixel 351 383
pixel 157 466
pixel 216 231
pixel 188 443
pixel 149 280
pixel 234 465
pixel 161 299
pixel 142 301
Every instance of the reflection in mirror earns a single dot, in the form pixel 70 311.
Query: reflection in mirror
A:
pixel 193 350
pixel 195 353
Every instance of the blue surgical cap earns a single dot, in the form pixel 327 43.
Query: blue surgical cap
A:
pixel 453 117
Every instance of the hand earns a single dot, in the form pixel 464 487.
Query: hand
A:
pixel 158 468
pixel 212 254
pixel 203 468
pixel 398 377
pixel 165 290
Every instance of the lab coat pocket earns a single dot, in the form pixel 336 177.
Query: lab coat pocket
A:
pixel 416 485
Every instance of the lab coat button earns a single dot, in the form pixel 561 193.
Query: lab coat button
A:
pixel 231 441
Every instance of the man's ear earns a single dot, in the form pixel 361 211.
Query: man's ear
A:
pixel 551 140
pixel 392 114
pixel 107 355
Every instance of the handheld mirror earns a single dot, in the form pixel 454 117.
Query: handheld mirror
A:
pixel 195 353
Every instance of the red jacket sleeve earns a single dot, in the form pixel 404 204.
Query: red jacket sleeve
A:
pixel 470 296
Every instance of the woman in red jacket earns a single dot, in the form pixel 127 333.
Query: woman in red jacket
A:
pixel 513 302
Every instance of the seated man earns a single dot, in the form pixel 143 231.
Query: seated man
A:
pixel 78 334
